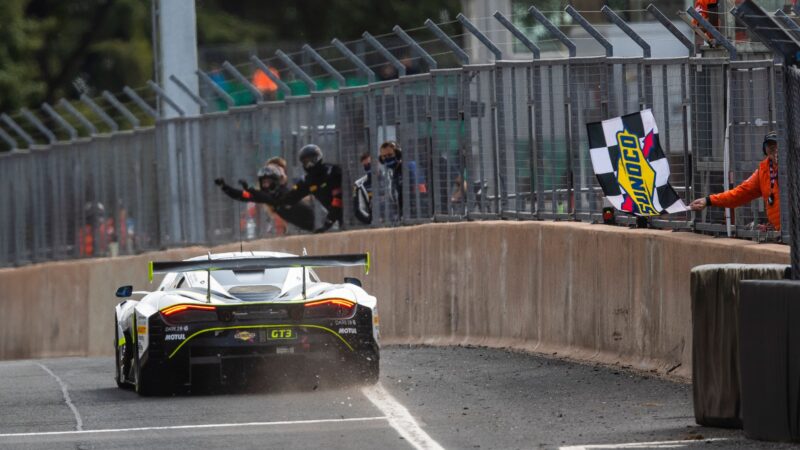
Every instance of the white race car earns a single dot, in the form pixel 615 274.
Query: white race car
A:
pixel 229 314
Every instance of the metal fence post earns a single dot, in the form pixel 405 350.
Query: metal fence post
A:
pixel 260 64
pixel 324 64
pixel 714 32
pixel 204 78
pixel 401 69
pixel 17 129
pixel 517 33
pixel 310 83
pixel 789 23
pixel 648 75
pixel 542 19
pixel 121 108
pixel 415 47
pixel 442 36
pixel 163 95
pixel 99 112
pixel 354 59
pixel 140 102
pixel 243 80
pixel 666 23
pixel 590 29
pixel 185 89
pixel 73 133
pixel 612 16
pixel 498 117
pixel 51 138
pixel 480 36
pixel 12 143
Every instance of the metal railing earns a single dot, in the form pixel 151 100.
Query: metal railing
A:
pixel 504 140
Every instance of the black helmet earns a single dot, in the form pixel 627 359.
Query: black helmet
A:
pixel 269 172
pixel 769 137
pixel 310 157
pixel 93 212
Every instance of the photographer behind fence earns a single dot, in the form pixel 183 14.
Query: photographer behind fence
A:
pixel 391 157
pixel 322 180
pixel 362 191
pixel 273 183
pixel 762 183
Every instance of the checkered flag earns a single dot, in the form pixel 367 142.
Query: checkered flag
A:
pixel 631 166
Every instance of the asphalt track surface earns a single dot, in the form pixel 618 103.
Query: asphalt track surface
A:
pixel 427 398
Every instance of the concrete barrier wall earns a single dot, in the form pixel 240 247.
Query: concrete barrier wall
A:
pixel 589 292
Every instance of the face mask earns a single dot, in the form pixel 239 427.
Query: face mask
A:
pixel 390 162
pixel 367 168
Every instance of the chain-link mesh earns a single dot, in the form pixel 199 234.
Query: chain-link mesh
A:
pixel 448 185
pixel 414 137
pixel 792 102
pixel 354 117
pixel 504 140
pixel 551 90
pixel 752 117
pixel 483 195
pixel 708 119
pixel 589 102
pixel 514 132
pixel 670 107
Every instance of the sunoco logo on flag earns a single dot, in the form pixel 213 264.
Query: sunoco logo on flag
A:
pixel 631 166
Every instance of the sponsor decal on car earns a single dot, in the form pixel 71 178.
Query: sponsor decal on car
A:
pixel 244 336
pixel 175 337
pixel 347 330
pixel 282 333
pixel 177 328
pixel 345 322
pixel 141 329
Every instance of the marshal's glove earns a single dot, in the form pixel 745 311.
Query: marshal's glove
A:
pixel 244 185
pixel 219 181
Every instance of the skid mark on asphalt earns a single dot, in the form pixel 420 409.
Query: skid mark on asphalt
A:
pixel 191 427
pixel 67 399
pixel 658 444
pixel 399 418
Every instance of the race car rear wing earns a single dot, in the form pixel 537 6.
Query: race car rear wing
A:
pixel 357 259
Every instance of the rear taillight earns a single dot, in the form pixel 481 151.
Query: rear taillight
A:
pixel 333 308
pixel 189 313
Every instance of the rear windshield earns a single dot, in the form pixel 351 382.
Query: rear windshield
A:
pixel 274 277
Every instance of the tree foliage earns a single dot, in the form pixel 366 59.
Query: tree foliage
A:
pixel 54 48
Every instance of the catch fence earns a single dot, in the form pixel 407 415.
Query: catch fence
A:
pixel 505 140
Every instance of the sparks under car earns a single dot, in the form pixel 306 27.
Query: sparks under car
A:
pixel 225 314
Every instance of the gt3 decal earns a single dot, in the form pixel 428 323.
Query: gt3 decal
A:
pixel 282 333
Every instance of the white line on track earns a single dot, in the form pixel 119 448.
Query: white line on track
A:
pixel 657 444
pixel 78 420
pixel 192 427
pixel 399 418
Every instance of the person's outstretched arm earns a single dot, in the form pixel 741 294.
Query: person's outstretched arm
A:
pixel 232 192
pixel 749 190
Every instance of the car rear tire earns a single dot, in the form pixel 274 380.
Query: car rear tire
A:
pixel 122 358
